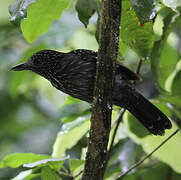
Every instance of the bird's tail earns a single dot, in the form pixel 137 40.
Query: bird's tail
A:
pixel 148 114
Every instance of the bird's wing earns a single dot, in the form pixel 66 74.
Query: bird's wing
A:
pixel 89 55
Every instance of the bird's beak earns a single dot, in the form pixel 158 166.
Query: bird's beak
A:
pixel 20 67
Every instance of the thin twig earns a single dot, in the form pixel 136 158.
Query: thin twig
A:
pixel 146 157
pixel 118 117
pixel 78 174
pixel 118 121
pixel 139 66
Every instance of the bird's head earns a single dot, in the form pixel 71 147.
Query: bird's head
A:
pixel 41 62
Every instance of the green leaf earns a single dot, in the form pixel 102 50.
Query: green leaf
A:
pixel 86 9
pixel 167 62
pixel 31 176
pixel 138 37
pixel 49 174
pixel 163 57
pixel 40 15
pixel 17 159
pixel 54 163
pixel 172 83
pixel 71 100
pixel 26 175
pixel 144 9
pixel 172 3
pixel 158 171
pixel 74 116
pixel 69 135
pixel 134 125
pixel 169 153
pixel 18 10
pixel 22 175
pixel 175 100
pixel 176 85
pixel 76 165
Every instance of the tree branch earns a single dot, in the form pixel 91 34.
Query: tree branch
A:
pixel 102 105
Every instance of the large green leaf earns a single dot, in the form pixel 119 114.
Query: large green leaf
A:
pixel 76 165
pixel 40 15
pixel 176 86
pixel 163 56
pixel 169 153
pixel 18 159
pixel 173 83
pixel 49 174
pixel 134 125
pixel 137 36
pixel 69 135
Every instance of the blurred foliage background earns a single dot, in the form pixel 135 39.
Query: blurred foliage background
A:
pixel 32 112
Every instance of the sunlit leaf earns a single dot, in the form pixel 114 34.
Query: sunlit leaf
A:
pixel 76 165
pixel 38 20
pixel 169 153
pixel 47 173
pixel 17 159
pixel 137 36
pixel 135 126
pixel 54 163
pixel 75 130
pixel 163 62
pixel 71 100
pixel 26 175
pixel 172 83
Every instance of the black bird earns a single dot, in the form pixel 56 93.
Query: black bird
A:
pixel 74 74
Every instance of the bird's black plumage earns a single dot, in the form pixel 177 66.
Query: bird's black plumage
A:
pixel 74 74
